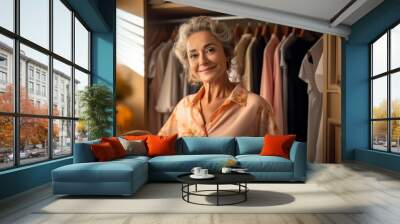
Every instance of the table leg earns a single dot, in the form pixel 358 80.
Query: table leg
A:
pixel 217 194
pixel 245 193
pixel 188 190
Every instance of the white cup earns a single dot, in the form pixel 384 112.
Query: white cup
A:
pixel 203 172
pixel 196 170
pixel 226 170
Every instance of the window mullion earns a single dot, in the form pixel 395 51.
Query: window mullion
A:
pixel 16 84
pixel 73 82
pixel 389 95
pixel 50 81
pixel 371 89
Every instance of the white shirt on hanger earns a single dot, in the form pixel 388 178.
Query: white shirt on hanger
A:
pixel 307 74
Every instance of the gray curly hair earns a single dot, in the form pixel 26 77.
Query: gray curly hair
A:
pixel 197 24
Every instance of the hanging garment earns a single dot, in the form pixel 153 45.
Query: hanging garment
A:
pixel 152 70
pixel 153 61
pixel 241 114
pixel 240 52
pixel 307 74
pixel 257 58
pixel 248 65
pixel 184 83
pixel 297 90
pixel 170 90
pixel 155 118
pixel 285 44
pixel 267 84
pixel 320 153
pixel 277 101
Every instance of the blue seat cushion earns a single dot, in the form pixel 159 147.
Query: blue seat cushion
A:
pixel 257 163
pixel 111 171
pixel 133 158
pixel 185 163
pixel 249 145
pixel 206 145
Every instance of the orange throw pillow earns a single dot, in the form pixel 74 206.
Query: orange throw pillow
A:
pixel 135 137
pixel 116 145
pixel 103 152
pixel 277 145
pixel 161 145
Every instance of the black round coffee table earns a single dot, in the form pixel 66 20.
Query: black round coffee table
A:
pixel 238 179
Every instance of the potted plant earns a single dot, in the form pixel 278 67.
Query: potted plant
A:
pixel 96 103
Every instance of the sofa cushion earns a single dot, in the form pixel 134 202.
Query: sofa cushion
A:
pixel 116 145
pixel 161 145
pixel 103 151
pixel 277 145
pixel 257 163
pixel 111 171
pixel 83 152
pixel 135 137
pixel 249 145
pixel 206 145
pixel 185 163
pixel 133 158
pixel 134 147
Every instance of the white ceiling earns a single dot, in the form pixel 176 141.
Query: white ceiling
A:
pixel 315 15
pixel 320 9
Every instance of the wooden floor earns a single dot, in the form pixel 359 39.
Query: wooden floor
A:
pixel 377 188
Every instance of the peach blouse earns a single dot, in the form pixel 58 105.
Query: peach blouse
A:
pixel 241 114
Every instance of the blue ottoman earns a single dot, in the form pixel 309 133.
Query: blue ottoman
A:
pixel 118 177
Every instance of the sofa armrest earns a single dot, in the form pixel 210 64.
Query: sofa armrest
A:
pixel 83 152
pixel 298 155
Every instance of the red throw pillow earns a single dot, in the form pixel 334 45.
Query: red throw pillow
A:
pixel 103 152
pixel 161 145
pixel 135 137
pixel 116 145
pixel 277 145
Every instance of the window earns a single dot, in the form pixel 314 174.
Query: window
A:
pixel 7 83
pixel 30 72
pixel 30 87
pixel 43 90
pixel 37 74
pixel 3 61
pixel 62 74
pixel 385 94
pixel 38 89
pixel 54 125
pixel 3 70
pixel 3 78
pixel 81 45
pixel 35 22
pixel 62 29
pixel 7 14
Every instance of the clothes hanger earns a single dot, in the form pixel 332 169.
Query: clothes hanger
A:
pixel 257 31
pixel 248 28
pixel 154 37
pixel 264 28
pixel 286 31
pixel 174 33
pixel 265 32
pixel 237 32
pixel 301 33
pixel 275 30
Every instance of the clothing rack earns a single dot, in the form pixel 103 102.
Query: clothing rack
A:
pixel 173 21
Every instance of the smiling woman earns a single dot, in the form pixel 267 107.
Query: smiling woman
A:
pixel 219 108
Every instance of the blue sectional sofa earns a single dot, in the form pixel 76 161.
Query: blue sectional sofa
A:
pixel 125 176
